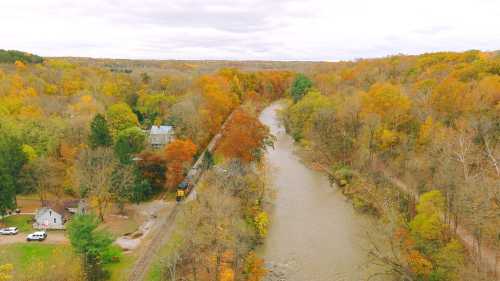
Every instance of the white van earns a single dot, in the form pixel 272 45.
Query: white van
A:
pixel 9 231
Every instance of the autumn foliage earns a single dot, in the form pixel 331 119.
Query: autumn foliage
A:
pixel 427 124
pixel 255 269
pixel 153 168
pixel 178 155
pixel 218 101
pixel 243 137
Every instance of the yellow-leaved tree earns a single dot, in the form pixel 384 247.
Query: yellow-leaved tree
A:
pixel 6 272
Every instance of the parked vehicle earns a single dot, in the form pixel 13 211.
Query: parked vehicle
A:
pixel 37 236
pixel 9 231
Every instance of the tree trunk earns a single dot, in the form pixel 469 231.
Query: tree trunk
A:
pixel 194 270
pixel 217 267
pixel 101 211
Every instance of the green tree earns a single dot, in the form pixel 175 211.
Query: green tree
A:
pixel 120 116
pixel 300 86
pixel 12 159
pixel 99 132
pixel 43 136
pixel 449 259
pixel 93 245
pixel 299 116
pixel 11 56
pixel 141 190
pixel 128 142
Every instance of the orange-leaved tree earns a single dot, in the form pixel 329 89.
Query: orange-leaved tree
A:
pixel 218 100
pixel 254 267
pixel 178 154
pixel 244 137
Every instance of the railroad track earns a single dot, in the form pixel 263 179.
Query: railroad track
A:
pixel 161 234
pixel 158 238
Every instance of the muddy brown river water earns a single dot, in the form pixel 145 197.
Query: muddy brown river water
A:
pixel 315 234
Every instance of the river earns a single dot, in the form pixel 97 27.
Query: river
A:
pixel 315 234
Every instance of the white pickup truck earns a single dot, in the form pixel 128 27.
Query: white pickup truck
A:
pixel 37 236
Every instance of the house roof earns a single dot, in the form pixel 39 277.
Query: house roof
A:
pixel 71 203
pixel 158 130
pixel 57 207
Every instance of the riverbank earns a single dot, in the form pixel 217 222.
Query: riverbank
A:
pixel 315 233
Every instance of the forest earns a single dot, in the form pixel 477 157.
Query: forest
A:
pixel 78 129
pixel 410 140
pixel 413 140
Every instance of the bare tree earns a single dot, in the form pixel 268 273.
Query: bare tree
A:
pixel 94 172
pixel 385 259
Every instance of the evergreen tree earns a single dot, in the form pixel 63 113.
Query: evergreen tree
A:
pixel 99 132
pixel 95 246
pixel 301 85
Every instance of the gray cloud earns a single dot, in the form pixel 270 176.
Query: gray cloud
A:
pixel 247 29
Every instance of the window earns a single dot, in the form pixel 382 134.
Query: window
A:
pixel 50 213
pixel 54 220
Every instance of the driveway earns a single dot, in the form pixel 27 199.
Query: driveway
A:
pixel 53 237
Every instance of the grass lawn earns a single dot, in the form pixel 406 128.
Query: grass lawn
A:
pixel 24 256
pixel 36 196
pixel 119 271
pixel 22 222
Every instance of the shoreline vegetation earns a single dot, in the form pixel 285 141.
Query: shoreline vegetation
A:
pixel 389 131
pixel 384 130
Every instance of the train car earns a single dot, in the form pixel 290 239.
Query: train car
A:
pixel 194 174
pixel 202 163
pixel 182 191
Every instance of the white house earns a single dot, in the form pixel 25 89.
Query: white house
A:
pixel 49 218
pixel 53 215
pixel 160 135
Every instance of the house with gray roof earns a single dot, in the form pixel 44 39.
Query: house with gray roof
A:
pixel 159 136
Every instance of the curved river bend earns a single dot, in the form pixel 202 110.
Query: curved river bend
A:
pixel 315 233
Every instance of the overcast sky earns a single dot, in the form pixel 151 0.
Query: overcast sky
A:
pixel 248 30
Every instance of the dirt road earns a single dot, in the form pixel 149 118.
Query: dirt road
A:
pixel 53 237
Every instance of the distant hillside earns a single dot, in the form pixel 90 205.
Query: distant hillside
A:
pixel 183 67
pixel 11 56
